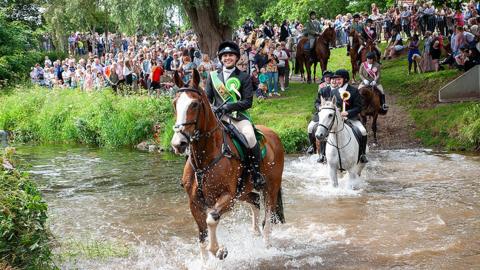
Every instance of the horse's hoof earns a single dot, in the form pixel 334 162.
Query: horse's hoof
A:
pixel 222 253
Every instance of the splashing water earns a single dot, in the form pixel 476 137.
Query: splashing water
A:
pixel 410 209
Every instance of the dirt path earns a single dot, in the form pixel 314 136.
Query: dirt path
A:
pixel 395 129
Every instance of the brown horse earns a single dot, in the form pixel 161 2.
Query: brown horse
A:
pixel 214 176
pixel 371 107
pixel 322 53
pixel 355 58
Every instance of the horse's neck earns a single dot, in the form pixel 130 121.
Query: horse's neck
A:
pixel 208 147
pixel 339 131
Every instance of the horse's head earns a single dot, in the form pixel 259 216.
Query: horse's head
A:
pixel 191 107
pixel 329 35
pixel 327 116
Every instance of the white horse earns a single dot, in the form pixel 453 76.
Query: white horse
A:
pixel 342 147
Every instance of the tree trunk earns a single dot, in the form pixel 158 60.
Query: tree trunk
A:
pixel 206 24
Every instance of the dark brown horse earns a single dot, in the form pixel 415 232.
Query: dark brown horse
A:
pixel 322 53
pixel 371 107
pixel 355 58
pixel 214 176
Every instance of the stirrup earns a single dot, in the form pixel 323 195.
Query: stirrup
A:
pixel 363 158
pixel 385 107
pixel 310 149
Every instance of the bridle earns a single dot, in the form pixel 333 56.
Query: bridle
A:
pixel 336 134
pixel 197 134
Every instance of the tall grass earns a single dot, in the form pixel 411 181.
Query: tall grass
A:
pixel 71 116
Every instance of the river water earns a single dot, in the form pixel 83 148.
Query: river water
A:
pixel 415 209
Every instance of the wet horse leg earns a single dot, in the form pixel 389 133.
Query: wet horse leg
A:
pixel 332 172
pixel 224 203
pixel 374 128
pixel 270 207
pixel 200 217
pixel 253 199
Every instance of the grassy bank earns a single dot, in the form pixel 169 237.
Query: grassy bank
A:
pixel 71 116
pixel 453 126
pixel 103 119
pixel 25 242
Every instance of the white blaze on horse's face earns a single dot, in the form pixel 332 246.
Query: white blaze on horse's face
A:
pixel 179 142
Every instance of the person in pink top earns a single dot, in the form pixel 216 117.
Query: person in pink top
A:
pixel 459 19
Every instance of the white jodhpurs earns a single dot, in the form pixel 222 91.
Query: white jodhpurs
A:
pixel 311 126
pixel 246 128
pixel 379 86
pixel 359 125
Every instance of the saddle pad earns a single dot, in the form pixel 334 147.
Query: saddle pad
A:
pixel 241 143
pixel 357 133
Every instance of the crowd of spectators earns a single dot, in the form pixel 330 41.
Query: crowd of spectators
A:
pixel 434 36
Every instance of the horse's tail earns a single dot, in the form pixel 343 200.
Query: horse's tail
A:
pixel 279 215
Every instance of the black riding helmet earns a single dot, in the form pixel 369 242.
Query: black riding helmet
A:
pixel 342 73
pixel 327 74
pixel 228 47
pixel 371 55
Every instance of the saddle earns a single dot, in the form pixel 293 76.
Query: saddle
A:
pixel 240 141
pixel 357 133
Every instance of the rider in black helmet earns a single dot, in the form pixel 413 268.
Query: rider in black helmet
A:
pixel 353 106
pixel 324 91
pixel 230 90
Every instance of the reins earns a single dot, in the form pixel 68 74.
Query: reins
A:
pixel 336 135
pixel 226 151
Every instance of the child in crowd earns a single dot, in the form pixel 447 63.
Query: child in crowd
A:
pixel 262 88
pixel 413 53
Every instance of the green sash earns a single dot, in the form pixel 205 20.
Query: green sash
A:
pixel 230 92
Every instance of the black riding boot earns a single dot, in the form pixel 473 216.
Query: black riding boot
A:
pixel 348 49
pixel 312 149
pixel 382 102
pixel 255 159
pixel 321 157
pixel 363 149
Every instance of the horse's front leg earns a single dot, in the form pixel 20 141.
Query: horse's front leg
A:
pixel 200 216
pixel 332 172
pixel 223 204
pixel 253 199
pixel 374 128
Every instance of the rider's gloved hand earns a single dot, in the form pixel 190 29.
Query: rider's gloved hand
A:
pixel 366 82
pixel 226 108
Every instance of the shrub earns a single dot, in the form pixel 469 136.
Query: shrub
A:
pixel 24 236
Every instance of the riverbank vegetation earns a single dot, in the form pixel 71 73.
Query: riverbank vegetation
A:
pixel 71 116
pixel 104 119
pixel 25 241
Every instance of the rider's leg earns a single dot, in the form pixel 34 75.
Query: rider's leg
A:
pixel 311 137
pixel 255 155
pixel 363 141
pixel 382 97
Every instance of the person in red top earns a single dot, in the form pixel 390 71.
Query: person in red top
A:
pixel 157 72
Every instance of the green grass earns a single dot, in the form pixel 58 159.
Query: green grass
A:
pixel 288 115
pixel 71 116
pixel 73 249
pixel 103 119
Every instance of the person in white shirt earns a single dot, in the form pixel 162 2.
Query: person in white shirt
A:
pixel 282 57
